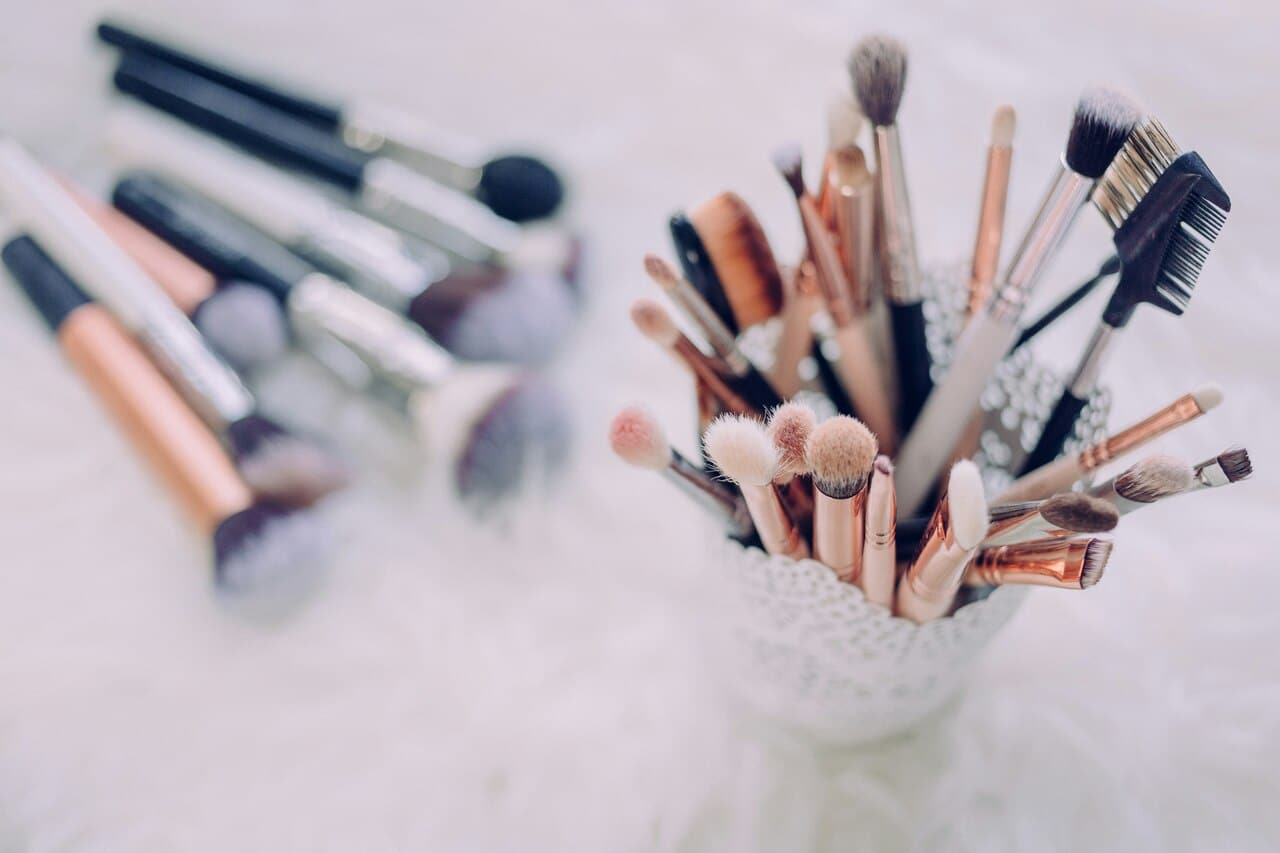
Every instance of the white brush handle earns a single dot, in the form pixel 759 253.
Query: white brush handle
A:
pixel 946 413
pixel 1044 482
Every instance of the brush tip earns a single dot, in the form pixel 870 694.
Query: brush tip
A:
pixel 1003 125
pixel 1080 513
pixel 244 324
pixel 844 122
pixel 789 161
pixel 268 550
pixel 790 427
pixel 1236 464
pixel 967 502
pixel 884 465
pixel 1154 478
pixel 660 271
pixel 654 322
pixel 1103 120
pixel 1096 555
pixel 841 452
pixel 281 466
pixel 878 71
pixel 741 450
pixel 638 439
pixel 1207 397
pixel 519 187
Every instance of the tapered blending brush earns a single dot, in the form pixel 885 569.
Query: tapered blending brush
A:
pixel 953 536
pixel 995 193
pixel 1061 474
pixel 858 363
pixel 878 71
pixel 257 546
pixel 639 440
pixel 879 550
pixel 1060 563
pixel 743 453
pixel 750 383
pixel 273 461
pixel 1099 128
pixel 841 454
pixel 790 426
pixel 1230 466
pixel 383 188
pixel 1065 515
pixel 656 324
pixel 1163 241
pixel 1153 479
pixel 514 186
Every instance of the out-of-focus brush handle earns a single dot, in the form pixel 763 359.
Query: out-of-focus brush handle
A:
pixel 912 349
pixel 1060 427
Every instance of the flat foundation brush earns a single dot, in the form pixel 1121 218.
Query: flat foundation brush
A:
pixel 656 324
pixel 1101 124
pixel 841 454
pixel 639 440
pixel 258 547
pixel 878 71
pixel 1162 243
pixel 743 453
pixel 1060 563
pixel 953 536
pixel 1153 479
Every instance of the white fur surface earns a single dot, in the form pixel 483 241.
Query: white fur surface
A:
pixel 535 683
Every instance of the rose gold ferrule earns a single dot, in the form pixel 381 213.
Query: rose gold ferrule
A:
pixel 1021 524
pixel 1174 415
pixel 851 201
pixel 879 550
pixel 777 534
pixel 829 272
pixel 986 250
pixel 929 588
pixel 837 533
pixel 712 380
pixel 186 455
pixel 1057 563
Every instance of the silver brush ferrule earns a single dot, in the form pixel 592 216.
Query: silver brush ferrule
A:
pixel 899 263
pixel 405 199
pixel 1209 475
pixel 1086 378
pixel 378 261
pixel 1067 194
pixel 719 498
pixel 395 351
pixel 426 149
pixel 208 385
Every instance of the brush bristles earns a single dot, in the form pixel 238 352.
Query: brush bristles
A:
pixel 1145 155
pixel 244 324
pixel 967 504
pixel 268 550
pixel 741 450
pixel 884 465
pixel 1080 513
pixel 661 272
pixel 790 428
pixel 1154 478
pixel 1003 125
pixel 1097 554
pixel 844 122
pixel 654 322
pixel 1102 123
pixel 282 466
pixel 789 161
pixel 1207 397
pixel 841 452
pixel 637 438
pixel 1235 463
pixel 742 258
pixel 878 71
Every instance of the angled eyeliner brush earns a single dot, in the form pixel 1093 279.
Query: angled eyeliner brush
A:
pixel 514 186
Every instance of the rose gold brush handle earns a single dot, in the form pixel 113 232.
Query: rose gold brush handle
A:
pixel 796 338
pixel 778 535
pixel 1055 564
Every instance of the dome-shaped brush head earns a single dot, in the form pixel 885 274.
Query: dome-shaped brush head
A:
pixel 269 551
pixel 968 504
pixel 244 324
pixel 841 452
pixel 520 188
pixel 790 427
pixel 741 450
pixel 1102 122
pixel 284 467
pixel 878 71
pixel 637 437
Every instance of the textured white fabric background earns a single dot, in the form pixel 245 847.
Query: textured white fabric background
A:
pixel 536 684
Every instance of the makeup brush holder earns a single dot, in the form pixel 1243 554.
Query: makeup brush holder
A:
pixel 812 654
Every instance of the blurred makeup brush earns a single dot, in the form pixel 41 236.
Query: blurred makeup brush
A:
pixel 274 462
pixel 743 260
pixel 1061 563
pixel 1152 479
pixel 638 438
pixel 857 363
pixel 514 186
pixel 749 382
pixel 1163 242
pixel 655 323
pixel 696 263
pixel 878 71
pixel 1061 516
pixel 1099 128
pixel 484 313
pixel 382 187
pixel 790 426
pixel 743 453
pixel 841 454
pixel 995 192
pixel 953 536
pixel 1061 474
pixel 258 547
pixel 879 551
pixel 1230 466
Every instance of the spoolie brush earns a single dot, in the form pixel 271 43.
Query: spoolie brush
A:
pixel 1153 479
pixel 1061 563
pixel 841 453
pixel 655 323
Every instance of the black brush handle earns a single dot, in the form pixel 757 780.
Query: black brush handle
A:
pixel 1109 267
pixel 48 288
pixel 912 349
pixel 322 114
pixel 241 120
pixel 1060 427
pixel 697 267
pixel 831 384
pixel 214 238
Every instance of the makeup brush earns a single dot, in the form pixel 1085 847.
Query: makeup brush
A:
pixel 383 188
pixel 841 453
pixel 790 426
pixel 743 260
pixel 656 324
pixel 274 462
pixel 515 186
pixel 750 383
pixel 953 536
pixel 1061 516
pixel 1100 126
pixel 1163 243
pixel 879 551
pixel 1108 268
pixel 1152 479
pixel 743 453
pixel 995 192
pixel 1061 474
pixel 257 546
pixel 878 71
pixel 696 263
pixel 1061 563
pixel 1230 466
pixel 802 301
pixel 857 363
pixel 637 437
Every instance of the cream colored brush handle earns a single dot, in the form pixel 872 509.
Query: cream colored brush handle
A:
pixel 1045 481
pixel 860 374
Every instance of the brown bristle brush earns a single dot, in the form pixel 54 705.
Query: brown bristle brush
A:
pixel 1064 515
pixel 1153 479
pixel 789 428
pixel 841 453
